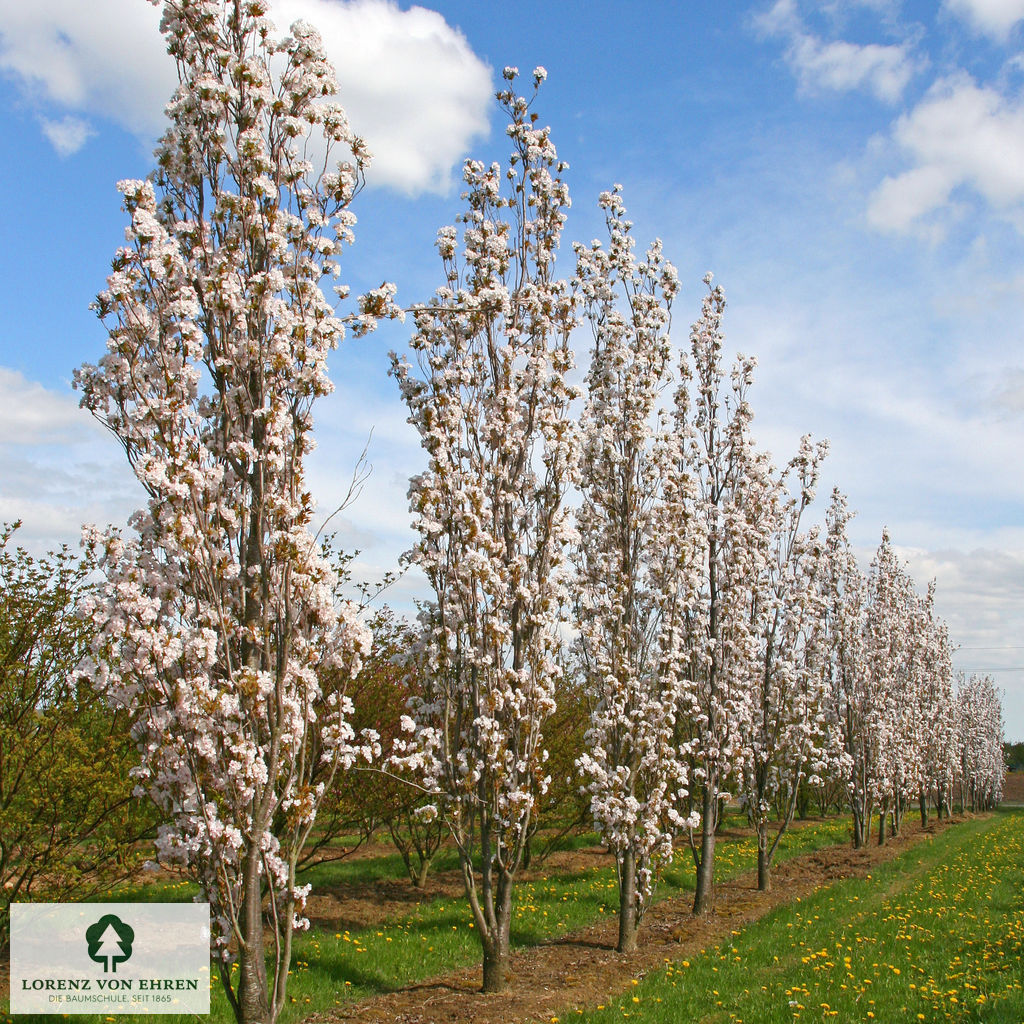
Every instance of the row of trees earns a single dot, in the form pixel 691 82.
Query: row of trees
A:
pixel 720 643
pixel 703 645
pixel 905 734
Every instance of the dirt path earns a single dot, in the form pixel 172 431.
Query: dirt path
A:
pixel 583 969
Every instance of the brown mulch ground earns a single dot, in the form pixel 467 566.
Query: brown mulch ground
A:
pixel 583 969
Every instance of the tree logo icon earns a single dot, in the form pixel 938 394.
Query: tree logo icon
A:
pixel 110 942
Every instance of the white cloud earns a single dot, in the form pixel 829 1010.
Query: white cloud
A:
pixel 995 18
pixel 33 415
pixel 59 467
pixel 838 66
pixel 67 135
pixel 410 82
pixel 842 67
pixel 105 58
pixel 1008 396
pixel 960 135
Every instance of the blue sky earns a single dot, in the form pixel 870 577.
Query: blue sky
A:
pixel 853 173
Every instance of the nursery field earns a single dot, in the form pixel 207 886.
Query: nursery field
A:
pixel 928 928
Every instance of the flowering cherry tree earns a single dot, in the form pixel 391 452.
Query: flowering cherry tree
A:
pixel 938 712
pixel 717 500
pixel 850 704
pixel 218 611
pixel 894 654
pixel 786 737
pixel 636 774
pixel 490 398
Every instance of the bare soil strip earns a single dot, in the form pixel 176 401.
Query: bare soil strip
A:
pixel 583 969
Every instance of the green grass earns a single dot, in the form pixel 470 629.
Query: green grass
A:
pixel 934 935
pixel 437 935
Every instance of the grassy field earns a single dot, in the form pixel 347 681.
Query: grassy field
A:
pixel 332 967
pixel 934 935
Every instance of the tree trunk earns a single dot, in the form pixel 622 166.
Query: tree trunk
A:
pixel 883 813
pixel 419 877
pixel 627 902
pixel 704 896
pixel 858 830
pixel 497 962
pixel 803 802
pixel 764 881
pixel 496 965
pixel 924 808
pixel 253 1003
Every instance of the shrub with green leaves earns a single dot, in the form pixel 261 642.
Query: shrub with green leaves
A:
pixel 68 822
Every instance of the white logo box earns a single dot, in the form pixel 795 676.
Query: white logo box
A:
pixel 110 958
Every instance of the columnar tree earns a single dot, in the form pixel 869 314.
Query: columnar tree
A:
pixel 720 484
pixel 635 774
pixel 850 703
pixel 786 737
pixel 938 713
pixel 490 398
pixel 218 612
pixel 893 654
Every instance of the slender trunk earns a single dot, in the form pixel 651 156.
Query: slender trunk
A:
pixel 419 876
pixel 858 828
pixel 861 821
pixel 253 1004
pixel 703 897
pixel 764 881
pixel 924 808
pixel 883 813
pixel 497 963
pixel 627 902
